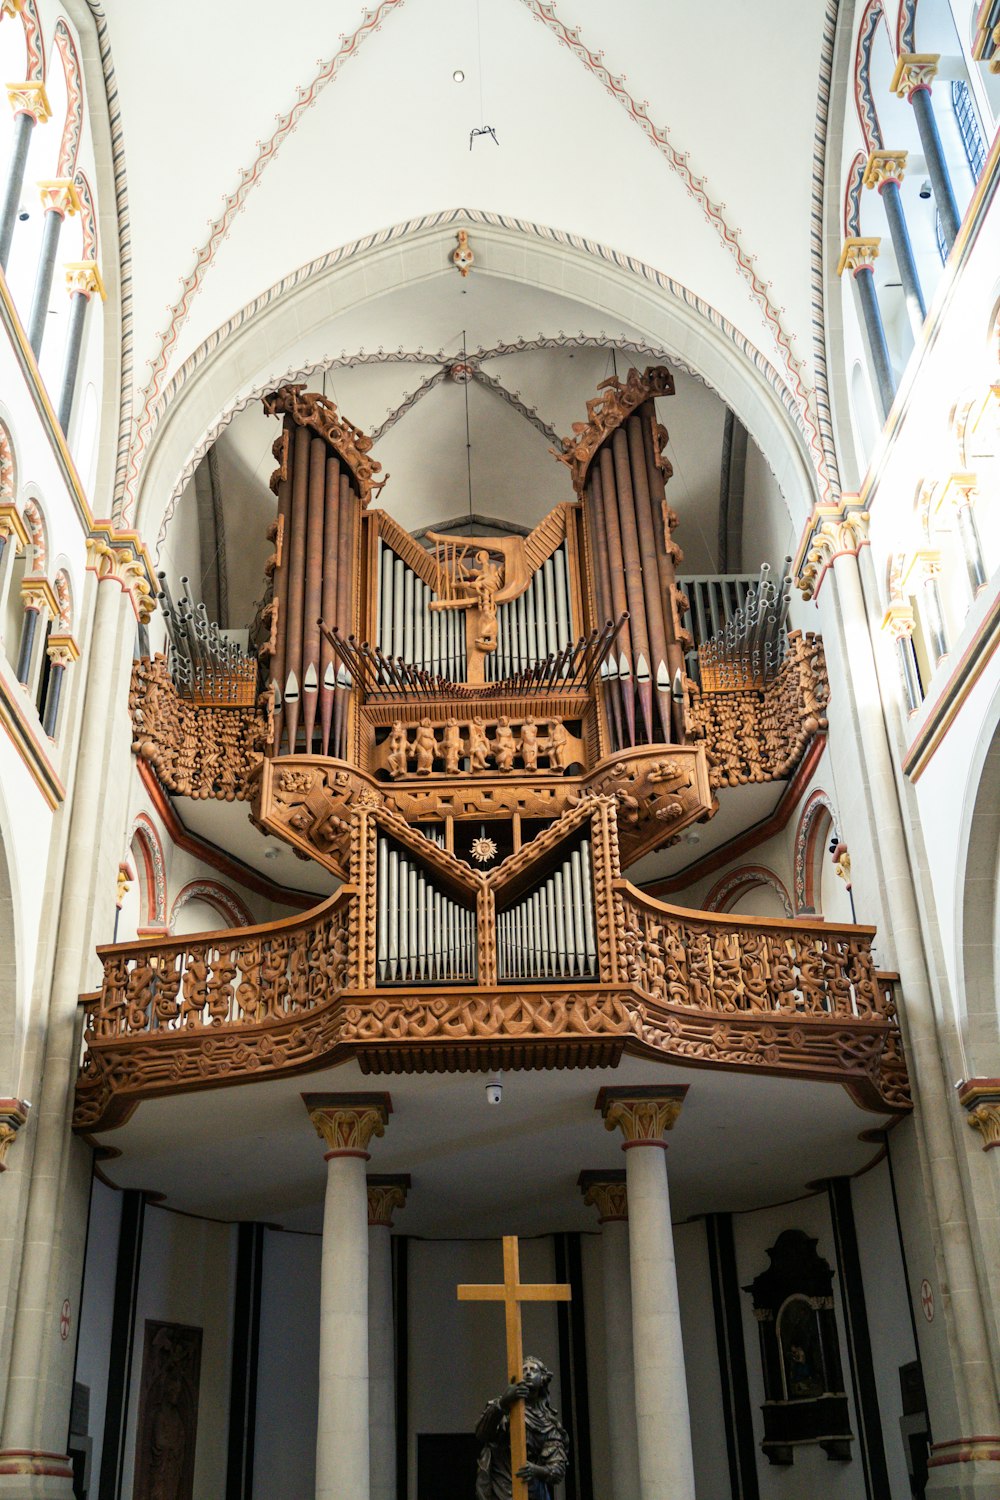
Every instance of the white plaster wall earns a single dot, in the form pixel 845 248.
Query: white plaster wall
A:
pixel 812 1473
pixel 886 1302
pixel 288 1368
pixel 701 1360
pixel 768 532
pixel 25 828
pixel 187 1276
pixel 93 1352
pixel 596 1334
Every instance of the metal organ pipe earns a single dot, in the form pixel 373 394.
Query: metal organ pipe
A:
pixel 423 936
pixel 551 933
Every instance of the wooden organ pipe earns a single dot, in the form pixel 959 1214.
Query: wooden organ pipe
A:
pixel 550 933
pixel 633 565
pixel 423 935
pixel 277 665
pixel 314 580
pixel 328 603
pixel 291 691
pixel 634 582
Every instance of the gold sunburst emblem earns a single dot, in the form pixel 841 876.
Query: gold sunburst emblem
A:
pixel 483 850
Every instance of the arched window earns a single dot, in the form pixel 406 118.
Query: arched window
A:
pixel 207 906
pixel 819 889
pixel 146 857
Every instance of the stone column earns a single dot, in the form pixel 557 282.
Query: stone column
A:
pixel 899 623
pixel 59 198
pixel 12 528
pixel 83 279
pixel 40 603
pixel 63 651
pixel 925 569
pixel 884 172
pixel 31 107
pixel 346 1122
pixel 858 256
pixel 606 1191
pixel 958 493
pixel 915 72
pixel 666 1463
pixel 39 1389
pixel 384 1195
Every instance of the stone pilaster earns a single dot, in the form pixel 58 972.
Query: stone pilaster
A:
pixel 607 1192
pixel 385 1195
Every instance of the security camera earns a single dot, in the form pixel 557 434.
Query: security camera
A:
pixel 494 1091
pixel 925 188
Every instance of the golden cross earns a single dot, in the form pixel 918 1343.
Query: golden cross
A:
pixel 512 1293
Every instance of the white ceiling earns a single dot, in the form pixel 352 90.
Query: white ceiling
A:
pixel 482 1170
pixel 695 161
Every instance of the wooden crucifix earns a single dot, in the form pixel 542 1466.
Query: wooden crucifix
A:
pixel 512 1292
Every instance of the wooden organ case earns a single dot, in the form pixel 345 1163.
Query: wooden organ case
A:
pixel 477 692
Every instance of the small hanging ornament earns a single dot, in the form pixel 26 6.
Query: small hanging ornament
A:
pixel 462 256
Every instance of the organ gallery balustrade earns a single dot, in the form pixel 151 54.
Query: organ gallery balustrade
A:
pixel 802 998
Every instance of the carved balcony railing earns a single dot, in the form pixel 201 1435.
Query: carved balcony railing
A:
pixel 797 998
pixel 764 993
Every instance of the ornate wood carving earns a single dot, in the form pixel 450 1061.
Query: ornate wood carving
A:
pixel 607 412
pixel 760 734
pixel 775 996
pixel 477 745
pixel 308 409
pixel 196 750
pixel 168 1412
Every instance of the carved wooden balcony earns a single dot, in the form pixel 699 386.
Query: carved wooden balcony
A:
pixel 616 972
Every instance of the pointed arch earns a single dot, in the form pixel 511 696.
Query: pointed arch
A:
pixel 152 872
pixel 817 818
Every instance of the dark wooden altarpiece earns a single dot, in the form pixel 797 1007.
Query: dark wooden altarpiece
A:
pixel 168 1412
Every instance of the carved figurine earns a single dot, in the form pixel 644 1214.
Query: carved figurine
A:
pixel 452 746
pixel 479 745
pixel 504 745
pixel 548 1444
pixel 425 746
pixel 398 747
pixel 486 583
pixel 558 743
pixel 529 744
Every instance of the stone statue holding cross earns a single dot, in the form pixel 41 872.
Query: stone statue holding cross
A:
pixel 547 1442
pixel 525 1447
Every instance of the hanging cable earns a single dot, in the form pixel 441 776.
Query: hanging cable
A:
pixel 468 430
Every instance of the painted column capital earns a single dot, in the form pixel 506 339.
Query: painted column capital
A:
pixel 123 884
pixel 29 98
pixel 121 556
pixel 898 621
pixel 831 531
pixel 385 1194
pixel 13 1114
pixel 62 649
pixel 859 254
pixel 643 1115
pixel 59 195
pixel 347 1122
pixel 11 525
pixel 884 167
pixel 914 70
pixel 38 593
pixel 958 490
pixel 606 1191
pixel 84 277
pixel 11 8
pixel 921 565
pixel 980 1098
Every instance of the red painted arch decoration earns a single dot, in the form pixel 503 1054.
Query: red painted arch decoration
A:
pixel 736 883
pixel 153 873
pixel 817 815
pixel 231 908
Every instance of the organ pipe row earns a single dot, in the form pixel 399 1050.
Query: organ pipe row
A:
pixel 316 536
pixel 750 646
pixel 632 561
pixel 550 933
pixel 407 629
pixel 537 624
pixel 424 936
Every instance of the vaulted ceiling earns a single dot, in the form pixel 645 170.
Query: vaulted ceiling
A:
pixel 668 145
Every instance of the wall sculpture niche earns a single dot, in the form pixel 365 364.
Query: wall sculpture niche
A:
pixel 804 1397
pixel 168 1412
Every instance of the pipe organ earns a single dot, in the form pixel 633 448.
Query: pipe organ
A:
pixel 550 932
pixel 479 687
